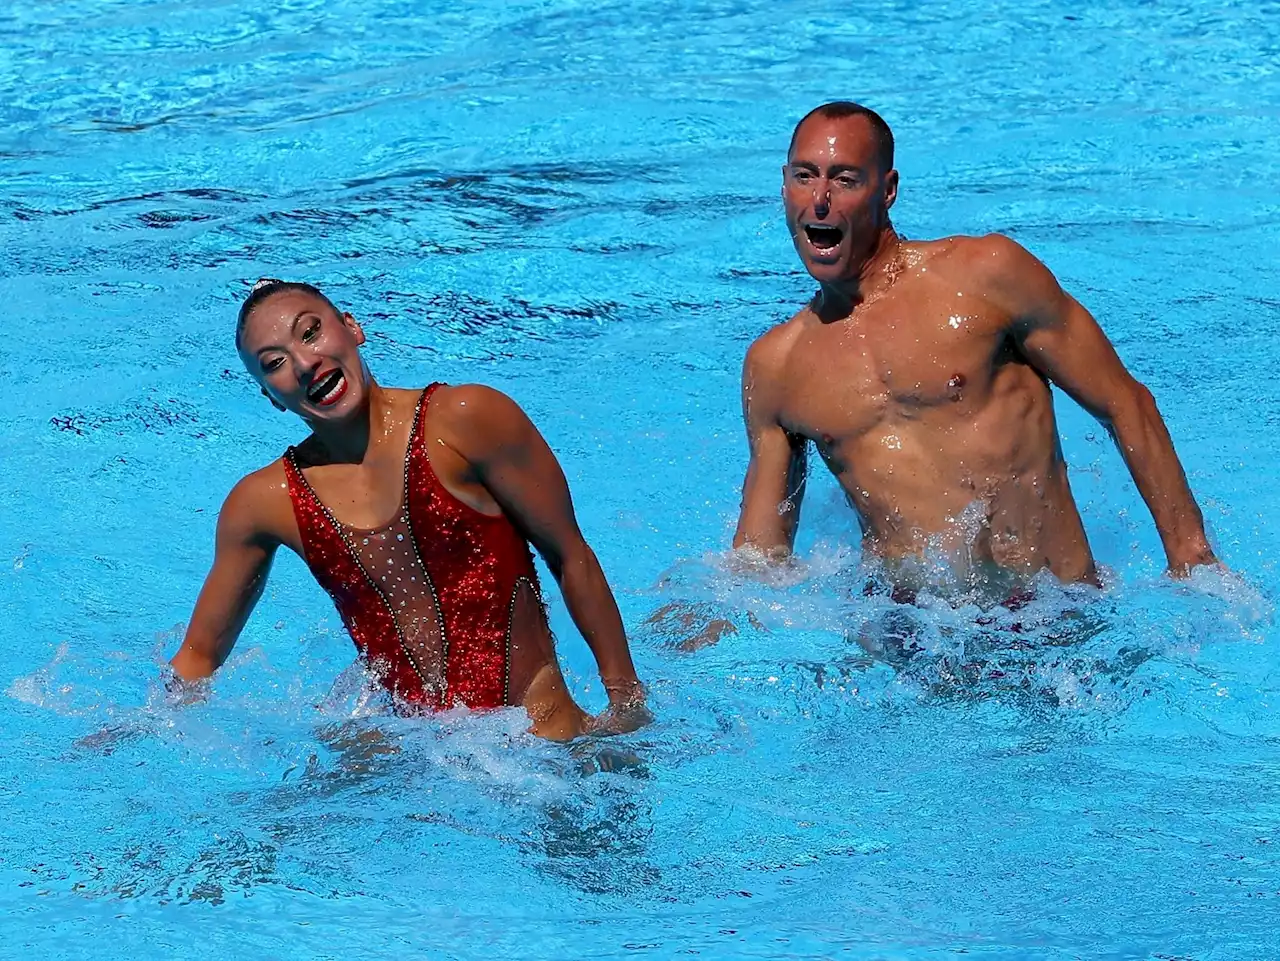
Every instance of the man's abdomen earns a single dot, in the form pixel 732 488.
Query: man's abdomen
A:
pixel 969 490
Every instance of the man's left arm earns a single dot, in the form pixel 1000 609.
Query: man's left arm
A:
pixel 514 463
pixel 1061 339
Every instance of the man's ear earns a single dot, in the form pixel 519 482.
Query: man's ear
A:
pixel 274 403
pixel 890 188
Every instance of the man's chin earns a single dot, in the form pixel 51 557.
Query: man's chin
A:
pixel 826 271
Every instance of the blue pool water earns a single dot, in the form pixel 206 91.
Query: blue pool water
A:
pixel 578 202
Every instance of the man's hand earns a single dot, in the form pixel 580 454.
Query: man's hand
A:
pixel 688 626
pixel 1183 571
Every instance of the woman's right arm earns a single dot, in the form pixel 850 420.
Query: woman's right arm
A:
pixel 244 549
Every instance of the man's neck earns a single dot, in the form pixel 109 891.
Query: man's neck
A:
pixel 878 272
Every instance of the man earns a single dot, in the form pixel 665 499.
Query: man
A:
pixel 921 372
pixel 415 511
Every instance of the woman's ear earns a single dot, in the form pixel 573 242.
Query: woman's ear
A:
pixel 355 328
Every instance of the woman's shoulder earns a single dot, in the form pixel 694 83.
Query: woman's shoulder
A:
pixel 468 401
pixel 259 501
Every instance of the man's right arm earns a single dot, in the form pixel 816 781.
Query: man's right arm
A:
pixel 774 484
pixel 771 492
pixel 242 559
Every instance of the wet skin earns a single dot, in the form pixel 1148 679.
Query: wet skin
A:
pixel 484 451
pixel 921 373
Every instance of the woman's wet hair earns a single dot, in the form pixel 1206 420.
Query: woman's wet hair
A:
pixel 838 110
pixel 269 287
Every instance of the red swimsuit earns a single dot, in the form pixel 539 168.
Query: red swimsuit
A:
pixel 429 598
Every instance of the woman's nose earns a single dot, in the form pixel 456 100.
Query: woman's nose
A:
pixel 307 368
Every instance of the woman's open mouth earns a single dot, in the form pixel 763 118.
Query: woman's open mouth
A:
pixel 328 389
pixel 823 239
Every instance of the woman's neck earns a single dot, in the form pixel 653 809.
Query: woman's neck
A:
pixel 348 441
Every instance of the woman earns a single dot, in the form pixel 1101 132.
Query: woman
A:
pixel 415 511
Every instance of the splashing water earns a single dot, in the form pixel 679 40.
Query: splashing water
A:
pixel 522 194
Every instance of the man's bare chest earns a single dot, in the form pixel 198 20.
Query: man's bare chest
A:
pixel 896 363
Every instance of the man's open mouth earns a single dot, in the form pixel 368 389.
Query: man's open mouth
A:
pixel 823 239
pixel 328 388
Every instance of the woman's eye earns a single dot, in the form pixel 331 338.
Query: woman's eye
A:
pixel 273 364
pixel 310 333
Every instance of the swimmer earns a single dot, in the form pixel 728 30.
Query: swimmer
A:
pixel 415 511
pixel 921 372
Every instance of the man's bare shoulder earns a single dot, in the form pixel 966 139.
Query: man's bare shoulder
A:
pixel 768 353
pixel 259 504
pixel 1001 271
pixel 991 259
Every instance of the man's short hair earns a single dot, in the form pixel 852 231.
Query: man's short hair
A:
pixel 268 287
pixel 839 109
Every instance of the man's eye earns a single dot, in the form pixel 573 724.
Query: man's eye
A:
pixel 848 181
pixel 310 333
pixel 802 176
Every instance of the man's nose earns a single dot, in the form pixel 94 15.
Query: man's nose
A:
pixel 821 200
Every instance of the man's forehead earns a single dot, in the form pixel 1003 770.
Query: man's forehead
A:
pixel 819 137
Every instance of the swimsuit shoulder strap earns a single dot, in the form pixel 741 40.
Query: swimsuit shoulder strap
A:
pixel 416 438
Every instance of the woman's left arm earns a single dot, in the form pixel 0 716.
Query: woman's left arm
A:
pixel 513 462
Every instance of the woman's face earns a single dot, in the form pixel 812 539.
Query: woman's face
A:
pixel 306 356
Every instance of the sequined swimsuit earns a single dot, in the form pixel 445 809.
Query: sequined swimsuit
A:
pixel 430 599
